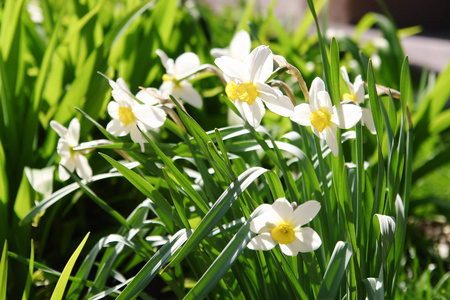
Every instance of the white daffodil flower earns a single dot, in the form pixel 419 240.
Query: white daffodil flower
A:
pixel 282 224
pixel 357 95
pixel 246 85
pixel 71 159
pixel 323 117
pixel 175 81
pixel 127 114
pixel 239 48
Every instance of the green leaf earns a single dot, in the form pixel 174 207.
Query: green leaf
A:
pixel 335 72
pixel 154 265
pixel 225 259
pixel 385 229
pixel 62 281
pixel 167 211
pixel 120 27
pixel 3 196
pixel 375 287
pixel 26 292
pixel 4 271
pixel 164 13
pixel 220 207
pixel 58 195
pixel 335 271
pixel 103 205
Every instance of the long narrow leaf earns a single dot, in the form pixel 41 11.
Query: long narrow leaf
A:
pixel 335 271
pixel 154 265
pixel 62 282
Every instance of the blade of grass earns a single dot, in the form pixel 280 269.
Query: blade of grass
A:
pixel 225 259
pixel 148 190
pixel 154 265
pixel 220 207
pixel 58 292
pixel 335 271
pixel 4 271
pixel 58 195
pixel 26 292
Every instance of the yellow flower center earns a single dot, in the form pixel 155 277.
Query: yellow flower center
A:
pixel 283 233
pixel 72 152
pixel 245 92
pixel 166 78
pixel 126 116
pixel 320 119
pixel 348 96
pixel 231 90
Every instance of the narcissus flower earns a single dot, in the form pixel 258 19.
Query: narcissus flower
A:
pixel 71 159
pixel 127 114
pixel 246 85
pixel 240 47
pixel 175 81
pixel 323 117
pixel 282 224
pixel 357 95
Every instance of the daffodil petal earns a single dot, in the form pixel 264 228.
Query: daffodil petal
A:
pixel 260 63
pixel 330 136
pixel 63 175
pixel 113 109
pixel 218 52
pixel 146 98
pixel 136 136
pixel 190 95
pixel 305 212
pixel 69 164
pixel 73 132
pixel 346 116
pixel 291 249
pixel 186 64
pixel 281 105
pixel 301 115
pixel 367 119
pixel 63 148
pixel 82 167
pixel 150 116
pixel 359 89
pixel 347 79
pixel 253 113
pixel 262 241
pixel 122 85
pixel 308 238
pixel 163 56
pixel 283 209
pixel 240 45
pixel 233 68
pixel 116 128
pixel 323 100
pixel 316 86
pixel 60 130
pixel 167 88
pixel 265 222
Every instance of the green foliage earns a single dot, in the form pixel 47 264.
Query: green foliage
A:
pixel 191 195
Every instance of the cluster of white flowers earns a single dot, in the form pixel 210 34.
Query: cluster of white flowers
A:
pixel 246 74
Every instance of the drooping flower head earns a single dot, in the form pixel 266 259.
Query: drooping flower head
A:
pixel 282 224
pixel 323 117
pixel 239 48
pixel 175 81
pixel 246 85
pixel 357 95
pixel 71 159
pixel 127 114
